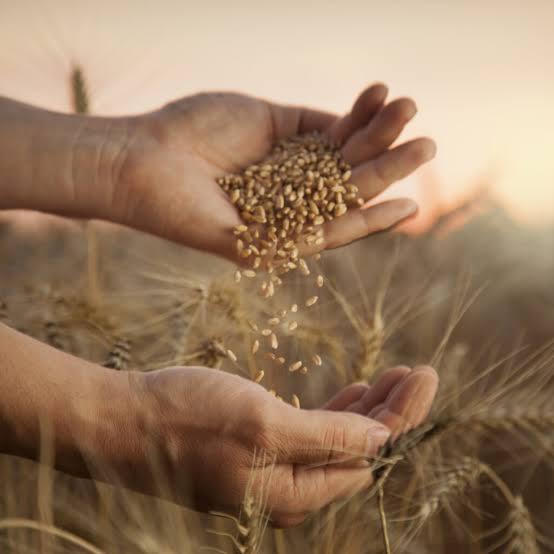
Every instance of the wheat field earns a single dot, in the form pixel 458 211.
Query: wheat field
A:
pixel 476 301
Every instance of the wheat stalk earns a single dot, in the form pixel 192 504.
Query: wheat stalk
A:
pixel 22 523
pixel 79 94
pixel 252 521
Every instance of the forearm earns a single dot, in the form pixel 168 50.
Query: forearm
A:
pixel 42 390
pixel 59 163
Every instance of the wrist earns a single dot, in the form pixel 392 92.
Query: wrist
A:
pixel 80 411
pixel 77 166
pixel 101 429
pixel 61 163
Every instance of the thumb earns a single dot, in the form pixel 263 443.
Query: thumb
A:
pixel 322 437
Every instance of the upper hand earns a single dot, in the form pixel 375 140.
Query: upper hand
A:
pixel 167 182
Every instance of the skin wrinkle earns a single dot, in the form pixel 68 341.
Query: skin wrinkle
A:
pixel 100 156
pixel 72 168
pixel 121 154
pixel 379 175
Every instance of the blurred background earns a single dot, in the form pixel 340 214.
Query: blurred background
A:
pixel 481 72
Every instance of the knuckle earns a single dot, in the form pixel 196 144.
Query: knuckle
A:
pixel 335 441
pixel 379 175
pixel 261 429
pixel 423 149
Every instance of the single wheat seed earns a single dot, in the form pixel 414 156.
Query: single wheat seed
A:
pixel 303 267
pixel 295 366
pixel 259 376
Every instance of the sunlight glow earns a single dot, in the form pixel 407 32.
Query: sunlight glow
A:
pixel 477 70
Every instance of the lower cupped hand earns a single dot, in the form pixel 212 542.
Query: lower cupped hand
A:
pixel 207 426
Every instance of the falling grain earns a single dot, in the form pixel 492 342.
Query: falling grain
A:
pixel 259 376
pixel 295 366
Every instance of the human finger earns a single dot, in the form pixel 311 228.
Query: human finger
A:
pixel 374 176
pixel 297 490
pixel 368 103
pixel 379 133
pixel 319 437
pixel 346 396
pixel 359 223
pixel 378 392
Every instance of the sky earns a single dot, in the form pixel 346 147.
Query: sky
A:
pixel 482 73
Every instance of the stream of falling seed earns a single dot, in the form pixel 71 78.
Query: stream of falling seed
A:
pixel 283 201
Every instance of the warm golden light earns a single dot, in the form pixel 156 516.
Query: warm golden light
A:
pixel 479 71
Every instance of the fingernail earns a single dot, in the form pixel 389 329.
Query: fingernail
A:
pixel 379 436
pixel 432 150
pixel 428 149
pixel 380 89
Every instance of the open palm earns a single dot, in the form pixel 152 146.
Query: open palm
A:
pixel 170 188
pixel 212 423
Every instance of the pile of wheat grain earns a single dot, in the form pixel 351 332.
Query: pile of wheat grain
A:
pixel 285 198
